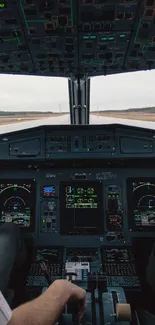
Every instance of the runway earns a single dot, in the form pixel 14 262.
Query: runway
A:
pixel 65 119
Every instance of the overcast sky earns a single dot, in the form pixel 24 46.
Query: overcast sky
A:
pixel 122 91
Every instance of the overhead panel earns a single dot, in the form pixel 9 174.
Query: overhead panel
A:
pixel 76 37
pixel 38 37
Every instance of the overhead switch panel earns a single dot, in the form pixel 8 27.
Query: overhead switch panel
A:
pixel 95 28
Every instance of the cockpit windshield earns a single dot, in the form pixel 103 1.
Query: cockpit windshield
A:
pixel 127 96
pixel 123 91
pixel 124 96
pixel 25 98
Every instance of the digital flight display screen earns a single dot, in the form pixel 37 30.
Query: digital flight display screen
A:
pixel 48 190
pixel 17 202
pixel 81 210
pixel 141 204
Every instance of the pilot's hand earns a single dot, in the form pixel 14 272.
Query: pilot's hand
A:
pixel 76 294
pixel 79 295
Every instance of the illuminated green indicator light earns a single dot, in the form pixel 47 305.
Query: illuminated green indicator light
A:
pixel 89 37
pixel 15 187
pixel 104 39
pixel 110 38
pixel 122 35
pixel 2 5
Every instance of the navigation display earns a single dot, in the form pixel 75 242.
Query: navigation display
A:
pixel 17 202
pixel 81 210
pixel 141 203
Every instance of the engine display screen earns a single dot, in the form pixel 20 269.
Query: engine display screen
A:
pixel 17 202
pixel 141 203
pixel 81 210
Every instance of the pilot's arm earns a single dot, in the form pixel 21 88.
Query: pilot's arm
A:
pixel 46 309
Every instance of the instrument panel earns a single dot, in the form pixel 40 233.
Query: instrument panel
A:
pixel 82 142
pixel 62 208
pixel 58 199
